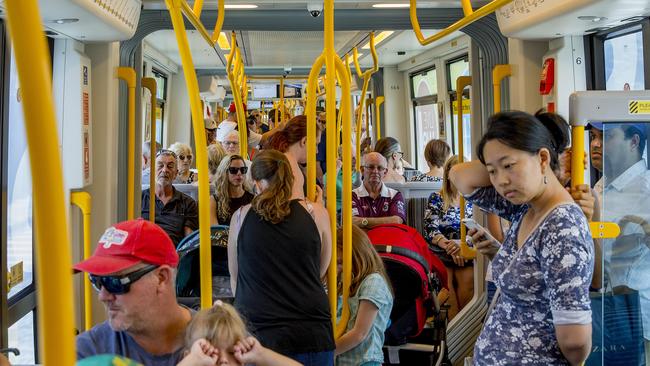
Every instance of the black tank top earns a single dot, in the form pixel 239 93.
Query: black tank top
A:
pixel 279 291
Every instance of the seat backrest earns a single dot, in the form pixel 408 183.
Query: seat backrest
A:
pixel 415 207
pixel 416 189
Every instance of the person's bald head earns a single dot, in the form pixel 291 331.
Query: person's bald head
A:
pixel 373 168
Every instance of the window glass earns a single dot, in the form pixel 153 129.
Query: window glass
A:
pixel 161 84
pixel 456 69
pixel 622 313
pixel 21 336
pixel 426 129
pixel 467 136
pixel 424 83
pixel 19 191
pixel 624 62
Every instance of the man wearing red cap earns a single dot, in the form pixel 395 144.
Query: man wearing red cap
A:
pixel 134 270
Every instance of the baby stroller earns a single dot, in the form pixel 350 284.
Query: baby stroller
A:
pixel 416 276
pixel 188 280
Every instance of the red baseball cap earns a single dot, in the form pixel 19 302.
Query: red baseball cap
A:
pixel 233 109
pixel 128 243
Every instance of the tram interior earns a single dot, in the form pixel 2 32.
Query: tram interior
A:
pixel 577 46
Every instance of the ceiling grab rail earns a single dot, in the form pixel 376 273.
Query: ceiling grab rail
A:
pixel 362 100
pixel 151 85
pixel 378 102
pixel 470 17
pixel 52 248
pixel 332 65
pixel 461 83
pixel 235 70
pixel 84 201
pixel 128 75
pixel 176 9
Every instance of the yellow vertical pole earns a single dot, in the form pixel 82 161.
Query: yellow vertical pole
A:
pixel 52 249
pixel 235 61
pixel 467 7
pixel 461 83
pixel 378 102
pixel 150 84
pixel 205 252
pixel 577 155
pixel 499 73
pixel 83 201
pixel 366 80
pixel 310 111
pixel 198 6
pixel 128 75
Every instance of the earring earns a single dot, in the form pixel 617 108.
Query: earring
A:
pixel 545 180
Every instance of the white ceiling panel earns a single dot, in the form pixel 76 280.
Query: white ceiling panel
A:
pixel 295 49
pixel 202 54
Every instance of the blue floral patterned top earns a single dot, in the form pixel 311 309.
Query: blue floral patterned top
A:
pixel 437 221
pixel 545 284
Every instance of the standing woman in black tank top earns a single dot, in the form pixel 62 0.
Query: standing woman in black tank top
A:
pixel 278 251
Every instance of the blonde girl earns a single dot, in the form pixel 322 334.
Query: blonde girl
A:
pixel 218 336
pixel 370 301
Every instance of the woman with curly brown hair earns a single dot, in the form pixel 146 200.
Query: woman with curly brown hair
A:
pixel 230 193
pixel 279 249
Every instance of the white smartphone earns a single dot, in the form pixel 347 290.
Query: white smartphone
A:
pixel 471 224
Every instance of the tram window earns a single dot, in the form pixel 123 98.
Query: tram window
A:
pixel 21 336
pixel 624 62
pixel 424 96
pixel 161 97
pixel 19 192
pixel 455 69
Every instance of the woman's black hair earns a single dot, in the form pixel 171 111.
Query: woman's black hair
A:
pixel 525 132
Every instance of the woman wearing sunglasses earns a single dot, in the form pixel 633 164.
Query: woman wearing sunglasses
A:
pixel 184 154
pixel 230 190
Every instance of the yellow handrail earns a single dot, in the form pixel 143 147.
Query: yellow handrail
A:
pixel 461 83
pixel 366 80
pixel 175 12
pixel 52 248
pixel 333 66
pixel 84 201
pixel 150 84
pixel 378 102
pixel 235 70
pixel 499 73
pixel 193 16
pixel 128 75
pixel 470 17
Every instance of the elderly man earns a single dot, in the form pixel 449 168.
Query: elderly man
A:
pixel 373 203
pixel 133 269
pixel 176 212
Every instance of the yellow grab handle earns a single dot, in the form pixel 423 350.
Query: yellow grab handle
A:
pixel 150 84
pixel 604 230
pixel 463 22
pixel 499 73
pixel 219 24
pixel 461 83
pixel 366 80
pixel 378 102
pixel 205 252
pixel 128 75
pixel 83 201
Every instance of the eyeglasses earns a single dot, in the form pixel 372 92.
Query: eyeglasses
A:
pixel 231 143
pixel 166 152
pixel 119 285
pixel 234 170
pixel 375 167
pixel 401 154
pixel 182 157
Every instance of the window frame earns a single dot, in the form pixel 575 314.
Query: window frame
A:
pixel 419 101
pixel 160 102
pixel 451 91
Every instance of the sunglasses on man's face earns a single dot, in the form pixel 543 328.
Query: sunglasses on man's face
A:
pixel 119 285
pixel 234 170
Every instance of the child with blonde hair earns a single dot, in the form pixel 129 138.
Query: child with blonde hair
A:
pixel 218 336
pixel 370 301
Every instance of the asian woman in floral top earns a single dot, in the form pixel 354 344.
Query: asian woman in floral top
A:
pixel 545 264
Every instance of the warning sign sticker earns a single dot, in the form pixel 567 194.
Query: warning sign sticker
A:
pixel 639 107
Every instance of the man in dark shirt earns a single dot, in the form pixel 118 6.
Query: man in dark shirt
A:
pixel 176 212
pixel 373 203
pixel 133 269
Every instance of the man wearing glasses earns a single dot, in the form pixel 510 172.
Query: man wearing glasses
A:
pixel 373 203
pixel 133 270
pixel 176 212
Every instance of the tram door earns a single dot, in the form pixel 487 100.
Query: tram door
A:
pixel 18 291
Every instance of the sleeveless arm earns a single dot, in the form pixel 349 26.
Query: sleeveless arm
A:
pixel 233 234
pixel 213 211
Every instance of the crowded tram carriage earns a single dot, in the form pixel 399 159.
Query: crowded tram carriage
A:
pixel 325 182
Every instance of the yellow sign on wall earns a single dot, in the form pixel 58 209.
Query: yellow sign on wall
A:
pixel 466 107
pixel 639 107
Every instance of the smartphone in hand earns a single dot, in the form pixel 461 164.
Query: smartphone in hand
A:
pixel 471 224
